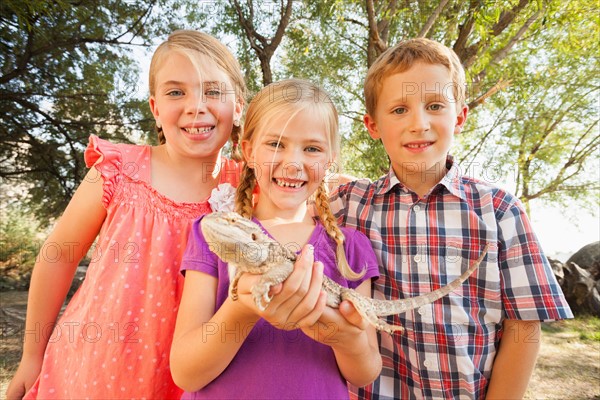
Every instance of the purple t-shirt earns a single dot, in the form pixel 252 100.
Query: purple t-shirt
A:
pixel 275 363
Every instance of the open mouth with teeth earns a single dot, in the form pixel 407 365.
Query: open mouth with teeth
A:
pixel 199 131
pixel 418 145
pixel 288 184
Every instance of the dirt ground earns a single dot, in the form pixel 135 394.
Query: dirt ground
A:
pixel 567 368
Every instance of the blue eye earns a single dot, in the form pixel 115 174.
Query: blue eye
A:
pixel 436 107
pixel 274 144
pixel 399 110
pixel 312 149
pixel 174 93
pixel 213 93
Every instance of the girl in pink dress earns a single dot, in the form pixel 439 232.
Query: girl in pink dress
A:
pixel 113 340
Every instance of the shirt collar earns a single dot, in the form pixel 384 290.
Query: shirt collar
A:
pixel 451 181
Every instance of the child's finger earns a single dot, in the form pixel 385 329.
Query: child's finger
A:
pixel 315 313
pixel 351 315
pixel 297 284
pixel 306 306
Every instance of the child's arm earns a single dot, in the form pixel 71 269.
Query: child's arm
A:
pixel 336 180
pixel 515 359
pixel 199 353
pixel 52 277
pixel 353 340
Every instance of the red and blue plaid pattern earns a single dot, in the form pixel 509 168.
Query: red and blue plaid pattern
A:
pixel 448 348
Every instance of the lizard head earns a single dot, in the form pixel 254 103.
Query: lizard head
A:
pixel 235 239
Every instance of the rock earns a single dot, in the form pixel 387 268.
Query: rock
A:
pixel 580 289
pixel 557 268
pixel 588 258
pixel 579 285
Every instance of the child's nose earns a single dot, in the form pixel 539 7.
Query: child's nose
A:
pixel 292 161
pixel 419 121
pixel 196 103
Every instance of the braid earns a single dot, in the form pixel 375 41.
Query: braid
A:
pixel 333 230
pixel 161 136
pixel 236 134
pixel 243 195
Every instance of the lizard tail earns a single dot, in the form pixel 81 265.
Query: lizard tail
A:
pixel 392 307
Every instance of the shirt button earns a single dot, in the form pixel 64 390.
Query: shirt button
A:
pixel 417 207
pixel 427 364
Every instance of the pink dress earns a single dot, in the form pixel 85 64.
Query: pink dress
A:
pixel 114 338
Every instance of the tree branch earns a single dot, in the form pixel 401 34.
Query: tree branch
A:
pixel 500 85
pixel 376 44
pixel 432 18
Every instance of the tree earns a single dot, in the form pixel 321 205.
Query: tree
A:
pixel 257 25
pixel 538 124
pixel 532 86
pixel 66 73
pixel 544 136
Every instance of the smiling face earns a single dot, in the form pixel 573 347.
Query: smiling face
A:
pixel 195 104
pixel 416 118
pixel 289 156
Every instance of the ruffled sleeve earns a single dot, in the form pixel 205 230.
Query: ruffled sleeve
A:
pixel 108 160
pixel 231 171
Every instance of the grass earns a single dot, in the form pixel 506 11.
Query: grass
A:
pixel 568 366
pixel 584 327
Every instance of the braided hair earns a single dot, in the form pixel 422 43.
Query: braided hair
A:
pixel 289 97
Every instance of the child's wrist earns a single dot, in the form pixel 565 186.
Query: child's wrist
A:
pixel 241 312
pixel 352 345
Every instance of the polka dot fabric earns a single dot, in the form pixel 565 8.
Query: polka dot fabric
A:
pixel 113 340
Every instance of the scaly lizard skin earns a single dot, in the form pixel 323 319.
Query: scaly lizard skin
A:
pixel 246 248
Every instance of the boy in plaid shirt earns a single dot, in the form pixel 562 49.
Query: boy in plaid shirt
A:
pixel 427 224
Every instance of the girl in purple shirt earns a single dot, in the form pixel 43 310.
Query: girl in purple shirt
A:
pixel 297 347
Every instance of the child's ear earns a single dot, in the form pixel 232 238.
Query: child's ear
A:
pixel 371 126
pixel 247 152
pixel 461 118
pixel 153 107
pixel 237 111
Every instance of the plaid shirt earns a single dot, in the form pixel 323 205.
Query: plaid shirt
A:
pixel 448 348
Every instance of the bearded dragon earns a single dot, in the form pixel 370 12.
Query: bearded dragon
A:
pixel 247 249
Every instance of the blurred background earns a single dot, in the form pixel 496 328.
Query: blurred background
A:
pixel 74 68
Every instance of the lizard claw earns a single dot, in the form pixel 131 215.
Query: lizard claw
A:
pixel 381 325
pixel 267 298
pixel 263 303
pixel 261 296
pixel 366 310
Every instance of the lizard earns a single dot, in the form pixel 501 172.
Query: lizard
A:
pixel 242 244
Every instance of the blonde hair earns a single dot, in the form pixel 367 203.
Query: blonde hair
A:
pixel 194 44
pixel 402 57
pixel 290 97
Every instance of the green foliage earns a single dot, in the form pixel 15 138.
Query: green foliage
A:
pixel 18 246
pixel 67 71
pixel 544 126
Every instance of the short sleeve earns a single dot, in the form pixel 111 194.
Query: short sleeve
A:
pixel 360 256
pixel 231 172
pixel 530 290
pixel 338 203
pixel 107 158
pixel 198 255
